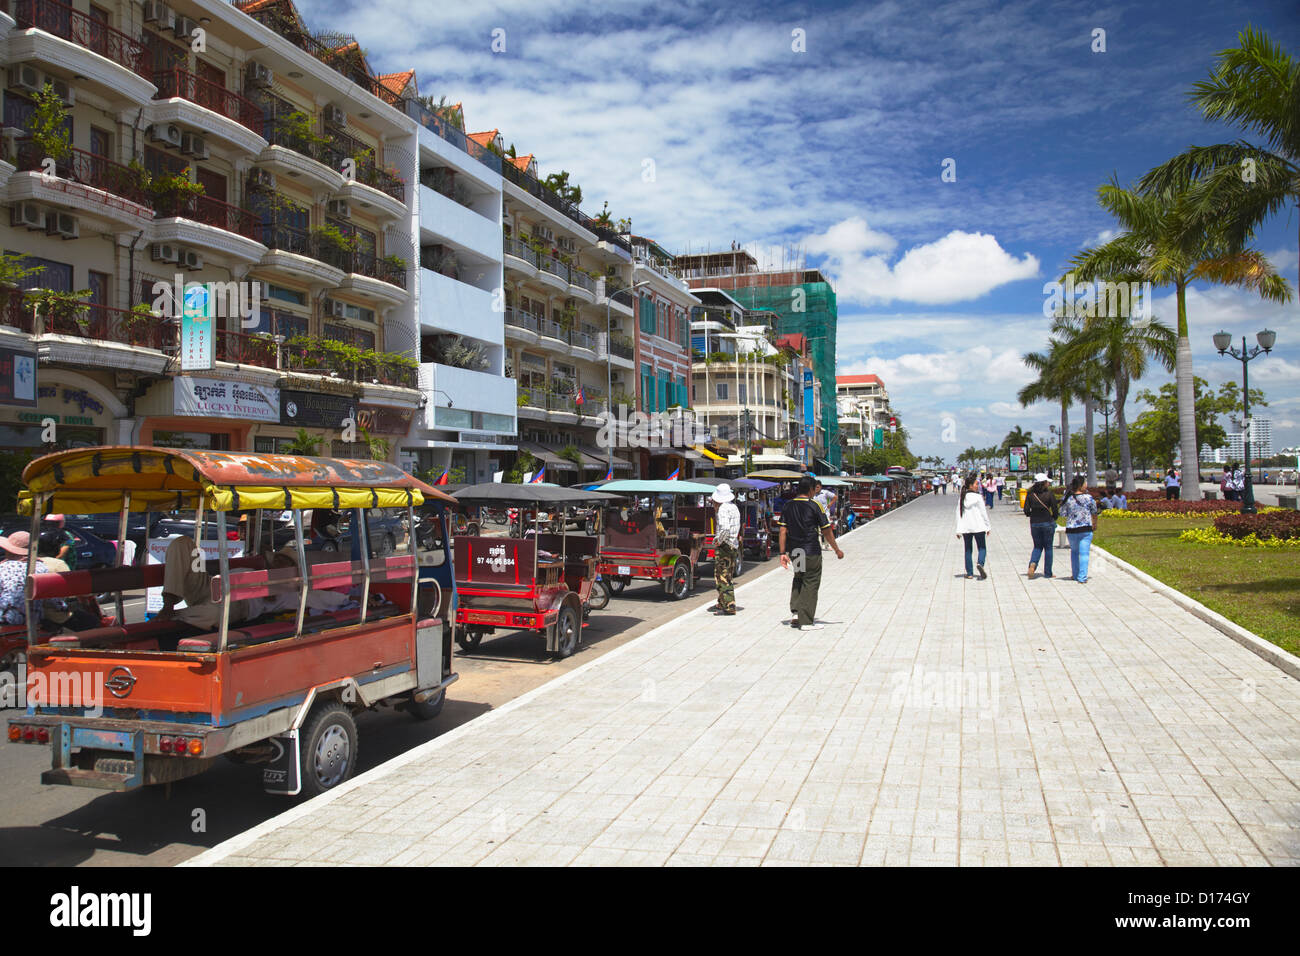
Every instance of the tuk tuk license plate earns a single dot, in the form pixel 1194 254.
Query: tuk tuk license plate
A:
pixel 624 570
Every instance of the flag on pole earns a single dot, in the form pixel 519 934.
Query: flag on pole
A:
pixel 673 476
pixel 537 478
pixel 609 475
pixel 442 479
pixel 580 398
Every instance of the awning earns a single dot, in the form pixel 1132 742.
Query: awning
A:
pixel 547 457
pixel 710 455
pixel 600 458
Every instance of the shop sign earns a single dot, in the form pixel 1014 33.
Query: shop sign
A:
pixel 17 377
pixel 315 410
pixel 383 420
pixel 218 398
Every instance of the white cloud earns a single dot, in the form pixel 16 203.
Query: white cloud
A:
pixel 958 267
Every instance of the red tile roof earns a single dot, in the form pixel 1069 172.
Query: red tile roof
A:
pixel 485 138
pixel 522 162
pixel 792 341
pixel 859 380
pixel 396 83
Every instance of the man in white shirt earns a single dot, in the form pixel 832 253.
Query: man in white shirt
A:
pixel 726 546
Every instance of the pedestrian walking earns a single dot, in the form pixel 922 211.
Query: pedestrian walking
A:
pixel 803 526
pixel 1080 523
pixel 1238 481
pixel 973 524
pixel 726 546
pixel 989 486
pixel 943 484
pixel 1001 482
pixel 1172 486
pixel 1042 510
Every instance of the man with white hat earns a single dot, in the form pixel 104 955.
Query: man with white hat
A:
pixel 726 545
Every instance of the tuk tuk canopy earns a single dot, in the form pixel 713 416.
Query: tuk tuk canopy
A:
pixel 93 480
pixel 633 486
pixel 527 494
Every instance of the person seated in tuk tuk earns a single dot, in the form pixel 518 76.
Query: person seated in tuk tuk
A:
pixel 13 579
pixel 73 614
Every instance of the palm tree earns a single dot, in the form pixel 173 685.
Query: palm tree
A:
pixel 304 443
pixel 1256 87
pixel 1120 352
pixel 1167 242
pixel 1057 382
pixel 1068 325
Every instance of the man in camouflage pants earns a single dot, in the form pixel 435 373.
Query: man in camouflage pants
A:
pixel 726 547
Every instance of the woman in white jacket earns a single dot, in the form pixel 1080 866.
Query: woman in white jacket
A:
pixel 973 523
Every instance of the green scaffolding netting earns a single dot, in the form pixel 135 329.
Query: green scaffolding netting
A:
pixel 816 322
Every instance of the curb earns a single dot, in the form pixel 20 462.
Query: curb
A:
pixel 1284 661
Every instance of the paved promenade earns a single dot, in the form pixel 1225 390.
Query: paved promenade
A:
pixel 934 721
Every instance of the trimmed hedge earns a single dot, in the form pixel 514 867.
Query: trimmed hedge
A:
pixel 1279 525
pixel 1180 507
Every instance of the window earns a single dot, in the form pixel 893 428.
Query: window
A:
pixel 648 318
pixel 721 388
pixel 358 338
pixel 681 390
pixel 53 275
pixel 648 397
pixel 286 295
pixel 159 163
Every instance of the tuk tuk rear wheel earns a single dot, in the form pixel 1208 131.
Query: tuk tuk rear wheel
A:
pixel 329 751
pixel 469 640
pixel 599 599
pixel 679 586
pixel 429 709
pixel 616 585
pixel 567 629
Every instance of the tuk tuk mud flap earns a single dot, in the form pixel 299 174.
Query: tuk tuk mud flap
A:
pixel 284 775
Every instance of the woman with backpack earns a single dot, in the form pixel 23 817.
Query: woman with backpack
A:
pixel 1080 523
pixel 973 523
pixel 1042 511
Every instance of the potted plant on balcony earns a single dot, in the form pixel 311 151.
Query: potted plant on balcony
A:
pixel 138 323
pixel 336 246
pixel 299 132
pixel 48 126
pixel 12 273
pixel 394 262
pixel 60 312
pixel 173 193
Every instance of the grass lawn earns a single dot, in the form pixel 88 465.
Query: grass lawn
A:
pixel 1256 588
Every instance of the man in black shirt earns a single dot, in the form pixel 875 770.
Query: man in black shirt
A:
pixel 803 524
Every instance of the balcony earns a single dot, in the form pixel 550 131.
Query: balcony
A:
pixel 314 360
pixel 368 172
pixel 88 184
pixel 618 350
pixel 471 391
pixel 372 277
pixel 190 100
pixel 372 201
pixel 211 224
pixel 523 326
pixel 519 258
pixel 96 336
pixel 451 223
pixel 294 150
pixel 112 63
pixel 449 305
pixel 553 272
pixel 296 252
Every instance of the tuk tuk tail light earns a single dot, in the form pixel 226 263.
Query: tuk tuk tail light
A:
pixel 29 734
pixel 196 747
pixel 42 735
pixel 165 744
pixel 179 745
pixel 15 733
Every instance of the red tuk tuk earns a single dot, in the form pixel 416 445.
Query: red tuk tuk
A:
pixel 645 541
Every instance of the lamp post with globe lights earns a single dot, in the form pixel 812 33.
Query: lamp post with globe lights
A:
pixel 1223 342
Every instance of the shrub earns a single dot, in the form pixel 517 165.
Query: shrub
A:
pixel 1280 525
pixel 1185 507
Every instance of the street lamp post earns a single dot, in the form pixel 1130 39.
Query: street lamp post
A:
pixel 609 365
pixel 1104 405
pixel 1223 342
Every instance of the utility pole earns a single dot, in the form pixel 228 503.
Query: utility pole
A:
pixel 748 440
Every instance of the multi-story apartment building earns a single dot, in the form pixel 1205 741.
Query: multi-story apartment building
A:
pixel 863 406
pixel 210 142
pixel 663 355
pixel 806 304
pixel 468 425
pixel 568 323
pixel 746 381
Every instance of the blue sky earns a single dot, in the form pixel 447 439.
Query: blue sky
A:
pixel 704 125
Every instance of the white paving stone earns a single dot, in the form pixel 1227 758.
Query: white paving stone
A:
pixel 935 721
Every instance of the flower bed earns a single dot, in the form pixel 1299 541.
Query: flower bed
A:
pixel 1184 507
pixel 1211 536
pixel 1279 524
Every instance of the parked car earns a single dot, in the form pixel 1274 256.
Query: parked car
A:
pixel 92 551
pixel 105 527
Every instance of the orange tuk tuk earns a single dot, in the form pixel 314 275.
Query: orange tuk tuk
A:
pixel 272 659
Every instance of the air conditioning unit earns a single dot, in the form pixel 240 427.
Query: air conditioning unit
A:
pixel 339 207
pixel 164 252
pixel 261 179
pixel 191 259
pixel 335 116
pixel 334 307
pixel 185 27
pixel 541 232
pixel 155 11
pixel 169 134
pixel 62 224
pixel 27 214
pixel 27 78
pixel 63 90
pixel 192 144
pixel 567 244
pixel 259 75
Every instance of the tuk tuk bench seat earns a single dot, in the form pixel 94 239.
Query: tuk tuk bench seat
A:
pixel 268 631
pixel 116 636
